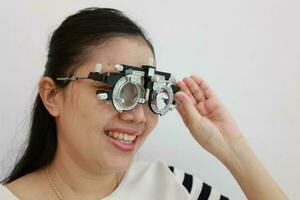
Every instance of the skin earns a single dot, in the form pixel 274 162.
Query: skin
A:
pixel 213 127
pixel 85 166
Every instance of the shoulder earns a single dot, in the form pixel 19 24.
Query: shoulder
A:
pixel 194 186
pixel 5 193
pixel 29 186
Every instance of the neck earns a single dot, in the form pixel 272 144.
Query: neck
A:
pixel 74 181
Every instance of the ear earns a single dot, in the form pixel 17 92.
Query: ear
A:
pixel 50 96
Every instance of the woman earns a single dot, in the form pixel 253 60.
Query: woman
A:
pixel 80 146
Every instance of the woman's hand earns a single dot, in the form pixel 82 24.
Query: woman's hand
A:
pixel 208 120
pixel 214 129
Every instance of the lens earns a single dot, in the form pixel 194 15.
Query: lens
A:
pixel 161 100
pixel 129 94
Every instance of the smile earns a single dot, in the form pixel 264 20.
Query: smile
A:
pixel 122 141
pixel 123 137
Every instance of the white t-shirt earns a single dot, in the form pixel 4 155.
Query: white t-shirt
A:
pixel 153 180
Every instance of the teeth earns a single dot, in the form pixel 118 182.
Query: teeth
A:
pixel 121 136
pixel 115 135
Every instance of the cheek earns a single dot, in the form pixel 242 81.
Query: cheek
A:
pixel 88 114
pixel 151 122
pixel 95 114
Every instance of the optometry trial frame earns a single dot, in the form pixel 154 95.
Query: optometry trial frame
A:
pixel 134 85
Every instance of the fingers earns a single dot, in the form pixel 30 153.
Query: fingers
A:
pixel 202 108
pixel 181 112
pixel 187 109
pixel 195 89
pixel 183 87
pixel 199 92
pixel 207 91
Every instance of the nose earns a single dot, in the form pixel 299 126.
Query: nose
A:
pixel 137 114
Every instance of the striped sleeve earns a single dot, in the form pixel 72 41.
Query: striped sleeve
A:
pixel 197 189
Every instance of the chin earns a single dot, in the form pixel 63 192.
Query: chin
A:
pixel 121 164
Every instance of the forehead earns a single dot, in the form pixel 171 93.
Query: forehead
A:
pixel 120 50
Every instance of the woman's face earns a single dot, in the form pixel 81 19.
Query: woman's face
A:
pixel 83 119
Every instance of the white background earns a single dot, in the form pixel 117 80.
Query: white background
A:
pixel 248 51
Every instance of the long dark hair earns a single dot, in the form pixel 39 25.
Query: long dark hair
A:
pixel 69 47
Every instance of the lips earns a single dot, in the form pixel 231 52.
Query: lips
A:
pixel 125 131
pixel 120 144
pixel 121 136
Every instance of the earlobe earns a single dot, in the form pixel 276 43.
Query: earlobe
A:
pixel 49 95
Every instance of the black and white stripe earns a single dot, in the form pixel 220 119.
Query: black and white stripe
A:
pixel 201 190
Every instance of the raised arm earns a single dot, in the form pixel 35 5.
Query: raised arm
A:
pixel 213 127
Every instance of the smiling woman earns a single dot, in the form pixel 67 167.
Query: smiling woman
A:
pixel 86 131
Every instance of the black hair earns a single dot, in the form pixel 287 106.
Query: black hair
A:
pixel 69 47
